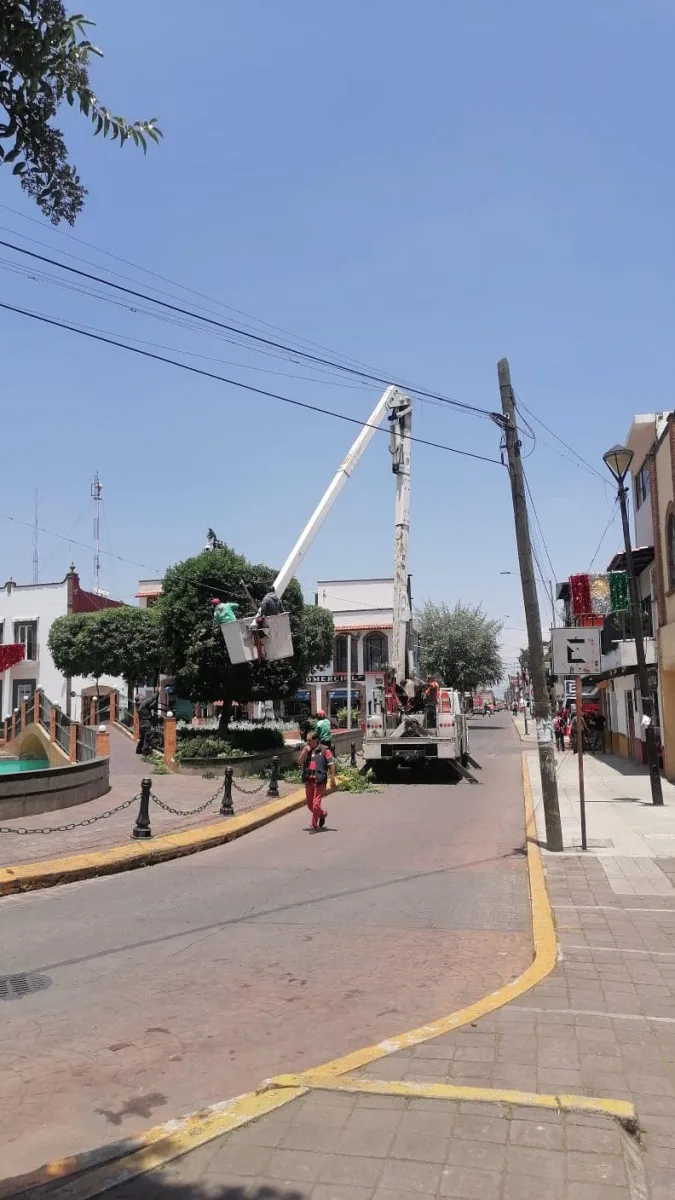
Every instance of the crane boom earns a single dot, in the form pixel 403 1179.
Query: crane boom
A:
pixel 333 491
pixel 401 425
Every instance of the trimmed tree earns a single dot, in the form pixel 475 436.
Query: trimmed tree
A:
pixel 196 652
pixel 124 642
pixel 459 646
pixel 44 61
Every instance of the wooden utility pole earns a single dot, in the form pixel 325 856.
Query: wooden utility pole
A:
pixel 542 710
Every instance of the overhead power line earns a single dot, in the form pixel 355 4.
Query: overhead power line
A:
pixel 243 333
pixel 247 387
pixel 586 464
pixel 613 515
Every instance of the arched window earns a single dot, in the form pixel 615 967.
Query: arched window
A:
pixel 340 655
pixel 670 547
pixel 375 653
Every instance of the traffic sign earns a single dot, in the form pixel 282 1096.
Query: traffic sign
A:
pixel 576 651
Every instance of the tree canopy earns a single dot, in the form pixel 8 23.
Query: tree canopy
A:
pixel 524 660
pixel 196 652
pixel 123 642
pixel 44 61
pixel 459 645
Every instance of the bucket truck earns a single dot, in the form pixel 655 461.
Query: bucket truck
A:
pixel 412 721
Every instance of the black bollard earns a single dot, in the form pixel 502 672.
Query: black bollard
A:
pixel 352 754
pixel 227 806
pixel 273 789
pixel 142 827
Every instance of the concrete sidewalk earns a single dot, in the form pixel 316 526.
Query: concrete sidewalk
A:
pixel 574 1080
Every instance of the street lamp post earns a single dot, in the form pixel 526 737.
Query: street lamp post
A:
pixel 618 461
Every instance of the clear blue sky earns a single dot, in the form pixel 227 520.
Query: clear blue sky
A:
pixel 424 188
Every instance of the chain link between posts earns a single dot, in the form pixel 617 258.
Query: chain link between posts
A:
pixel 110 812
pixel 186 812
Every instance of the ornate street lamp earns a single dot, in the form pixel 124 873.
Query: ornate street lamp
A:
pixel 618 461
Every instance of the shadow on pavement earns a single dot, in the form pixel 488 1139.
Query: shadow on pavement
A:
pixel 148 1187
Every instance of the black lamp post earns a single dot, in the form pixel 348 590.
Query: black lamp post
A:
pixel 618 460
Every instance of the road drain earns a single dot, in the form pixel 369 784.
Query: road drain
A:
pixel 16 987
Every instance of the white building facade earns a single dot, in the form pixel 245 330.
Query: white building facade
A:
pixel 363 614
pixel 27 613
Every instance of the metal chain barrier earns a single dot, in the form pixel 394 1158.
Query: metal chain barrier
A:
pixel 250 791
pixel 185 812
pixel 75 824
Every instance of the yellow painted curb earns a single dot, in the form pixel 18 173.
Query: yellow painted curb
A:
pixel 155 1148
pixel 623 1110
pixel 26 877
pixel 545 955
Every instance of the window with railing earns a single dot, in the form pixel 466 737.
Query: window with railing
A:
pixel 25 634
pixel 340 655
pixel 375 652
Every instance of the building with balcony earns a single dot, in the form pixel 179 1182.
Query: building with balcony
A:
pixel 27 613
pixel 363 614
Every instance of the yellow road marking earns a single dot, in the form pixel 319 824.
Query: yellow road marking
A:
pixel 621 1109
pixel 26 877
pixel 545 955
pixel 158 1149
pixel 174 1139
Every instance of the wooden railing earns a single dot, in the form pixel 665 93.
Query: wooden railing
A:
pixel 79 742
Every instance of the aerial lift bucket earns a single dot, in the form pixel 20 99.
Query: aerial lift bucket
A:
pixel 244 645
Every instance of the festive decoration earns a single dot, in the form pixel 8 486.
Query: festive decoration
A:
pixel 580 588
pixel 618 588
pixel 10 655
pixel 600 601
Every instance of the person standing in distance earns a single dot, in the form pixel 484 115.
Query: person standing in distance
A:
pixel 323 730
pixel 317 764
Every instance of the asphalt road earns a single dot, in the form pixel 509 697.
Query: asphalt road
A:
pixel 182 984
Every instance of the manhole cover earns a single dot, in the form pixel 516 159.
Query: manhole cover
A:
pixel 15 987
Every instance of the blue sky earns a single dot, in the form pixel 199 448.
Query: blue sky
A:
pixel 423 188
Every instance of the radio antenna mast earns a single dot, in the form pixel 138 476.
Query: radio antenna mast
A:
pixel 96 491
pixel 36 531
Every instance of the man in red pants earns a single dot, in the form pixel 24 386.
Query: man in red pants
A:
pixel 318 764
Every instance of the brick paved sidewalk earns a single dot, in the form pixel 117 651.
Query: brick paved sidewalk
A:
pixel 179 791
pixel 601 1025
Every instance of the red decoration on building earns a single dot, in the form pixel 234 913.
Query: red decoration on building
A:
pixel 10 655
pixel 580 589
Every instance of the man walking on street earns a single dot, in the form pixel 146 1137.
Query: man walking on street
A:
pixel 317 764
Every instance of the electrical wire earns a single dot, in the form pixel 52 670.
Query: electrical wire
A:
pixel 587 465
pixel 64 537
pixel 257 338
pixel 538 523
pixel 612 518
pixel 247 387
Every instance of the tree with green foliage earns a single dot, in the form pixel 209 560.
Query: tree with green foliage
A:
pixel 195 651
pixel 44 61
pixel 319 633
pixel 459 646
pixel 123 642
pixel 524 660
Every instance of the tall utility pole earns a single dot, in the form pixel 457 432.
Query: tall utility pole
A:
pixel 96 490
pixel 542 710
pixel 36 536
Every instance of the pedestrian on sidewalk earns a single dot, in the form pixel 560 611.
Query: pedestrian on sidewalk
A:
pixel 317 764
pixel 559 730
pixel 147 709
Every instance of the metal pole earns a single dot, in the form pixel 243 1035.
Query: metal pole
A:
pixel 645 694
pixel 349 681
pixel 542 710
pixel 142 827
pixel 227 804
pixel 580 756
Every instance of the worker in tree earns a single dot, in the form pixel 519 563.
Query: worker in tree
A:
pixel 223 613
pixel 323 730
pixel 147 710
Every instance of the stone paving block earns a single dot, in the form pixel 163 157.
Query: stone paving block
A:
pixel 528 1160
pixel 295 1166
pixel 371 1143
pixel 488 1156
pixel 540 1134
pixel 410 1178
pixel 464 1183
pixel 422 1147
pixel 384 1120
pixel 319 1138
pixel 239 1159
pixel 348 1170
pixel 327 1191
pixel 528 1187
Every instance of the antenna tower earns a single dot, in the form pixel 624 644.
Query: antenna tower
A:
pixel 36 531
pixel 96 491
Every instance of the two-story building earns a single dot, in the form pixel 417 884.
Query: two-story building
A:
pixel 363 614
pixel 27 612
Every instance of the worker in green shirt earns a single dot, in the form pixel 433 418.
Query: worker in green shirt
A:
pixel 223 613
pixel 323 731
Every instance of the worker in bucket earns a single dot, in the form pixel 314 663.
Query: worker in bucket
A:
pixel 318 765
pixel 223 612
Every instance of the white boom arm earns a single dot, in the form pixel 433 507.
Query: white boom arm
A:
pixel 401 423
pixel 332 492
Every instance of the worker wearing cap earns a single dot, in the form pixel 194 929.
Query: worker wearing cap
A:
pixel 222 612
pixel 323 730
